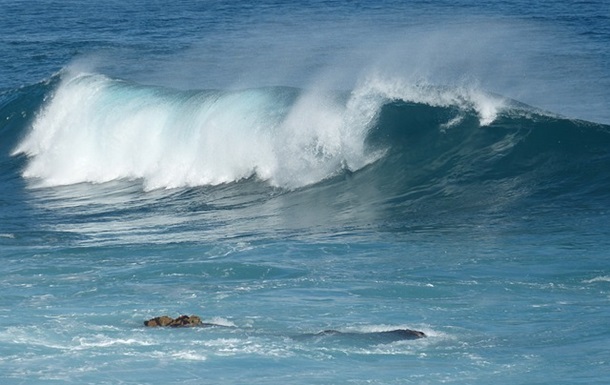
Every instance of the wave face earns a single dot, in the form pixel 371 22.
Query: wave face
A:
pixel 521 152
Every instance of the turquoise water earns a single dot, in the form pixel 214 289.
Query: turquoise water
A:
pixel 283 169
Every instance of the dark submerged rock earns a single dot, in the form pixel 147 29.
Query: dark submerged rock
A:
pixel 389 335
pixel 405 334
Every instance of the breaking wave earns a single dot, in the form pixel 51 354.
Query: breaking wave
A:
pixel 97 129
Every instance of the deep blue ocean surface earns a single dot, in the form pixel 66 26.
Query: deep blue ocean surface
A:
pixel 281 168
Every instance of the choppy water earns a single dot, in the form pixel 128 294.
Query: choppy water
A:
pixel 283 169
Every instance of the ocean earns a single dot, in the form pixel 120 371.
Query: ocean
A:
pixel 284 168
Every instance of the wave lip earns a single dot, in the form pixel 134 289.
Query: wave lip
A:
pixel 466 98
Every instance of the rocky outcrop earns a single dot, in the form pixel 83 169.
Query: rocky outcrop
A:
pixel 182 321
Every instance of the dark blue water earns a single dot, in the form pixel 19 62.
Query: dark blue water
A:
pixel 283 169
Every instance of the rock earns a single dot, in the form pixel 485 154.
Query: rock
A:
pixel 185 320
pixel 158 321
pixel 393 335
pixel 182 321
pixel 405 334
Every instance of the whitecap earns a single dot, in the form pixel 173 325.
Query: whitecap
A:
pixel 604 278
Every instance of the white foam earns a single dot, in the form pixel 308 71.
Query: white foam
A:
pixel 103 341
pixel 221 321
pixel 189 355
pixel 95 129
pixel 248 346
pixel 604 278
pixel 32 337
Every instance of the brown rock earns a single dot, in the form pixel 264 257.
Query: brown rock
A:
pixel 158 321
pixel 182 321
pixel 185 320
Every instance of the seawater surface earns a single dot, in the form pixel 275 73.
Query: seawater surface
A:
pixel 281 169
